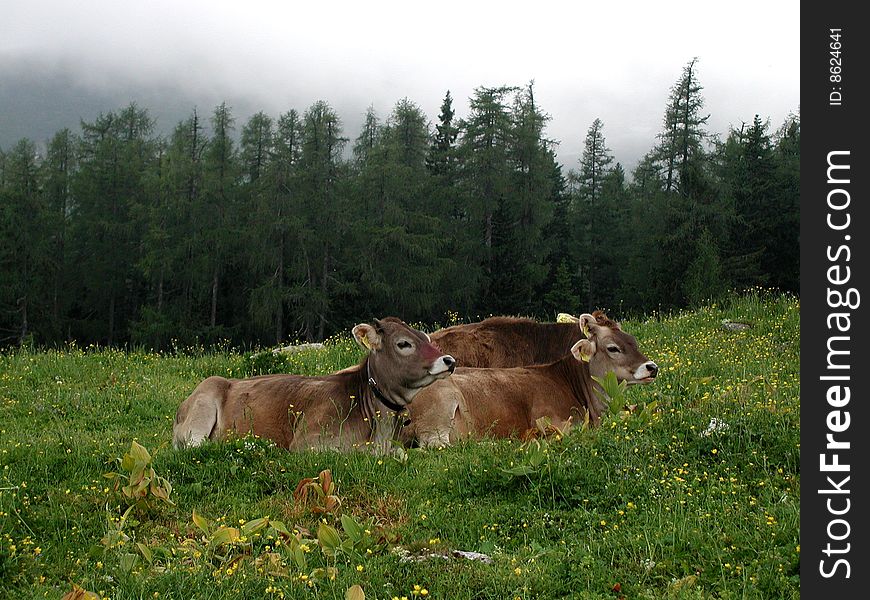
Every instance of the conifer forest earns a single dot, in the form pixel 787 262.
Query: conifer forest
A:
pixel 290 227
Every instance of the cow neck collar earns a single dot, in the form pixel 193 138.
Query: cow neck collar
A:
pixel 373 385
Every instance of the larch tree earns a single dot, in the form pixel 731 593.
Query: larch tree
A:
pixel 117 155
pixel 322 204
pixel 688 204
pixel 58 171
pixel 25 251
pixel 172 262
pixel 521 253
pixel 274 227
pixel 681 142
pixel 486 173
pixel 218 209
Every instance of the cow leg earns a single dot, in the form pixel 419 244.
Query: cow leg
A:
pixel 198 416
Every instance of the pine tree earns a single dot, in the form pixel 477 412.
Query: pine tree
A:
pixel 612 240
pixel 675 212
pixel 368 139
pixel 562 293
pixel 562 245
pixel 256 146
pixel 594 166
pixel 746 171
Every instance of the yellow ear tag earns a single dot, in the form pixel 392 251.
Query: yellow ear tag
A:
pixel 365 342
pixel 585 357
pixel 585 331
pixel 565 318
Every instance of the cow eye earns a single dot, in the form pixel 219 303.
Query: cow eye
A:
pixel 613 349
pixel 404 344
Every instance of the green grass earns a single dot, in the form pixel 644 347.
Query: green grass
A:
pixel 652 505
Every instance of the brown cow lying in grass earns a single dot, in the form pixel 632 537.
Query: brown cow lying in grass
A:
pixel 508 401
pixel 354 408
pixel 519 342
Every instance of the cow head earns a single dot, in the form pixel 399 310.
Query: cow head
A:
pixel 608 348
pixel 401 360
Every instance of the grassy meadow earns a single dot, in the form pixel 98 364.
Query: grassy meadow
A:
pixel 695 497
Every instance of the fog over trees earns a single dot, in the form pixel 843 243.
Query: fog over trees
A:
pixel 289 227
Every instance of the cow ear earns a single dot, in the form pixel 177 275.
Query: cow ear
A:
pixel 602 319
pixel 583 350
pixel 566 318
pixel 367 336
pixel 589 324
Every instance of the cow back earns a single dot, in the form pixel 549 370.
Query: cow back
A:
pixel 507 342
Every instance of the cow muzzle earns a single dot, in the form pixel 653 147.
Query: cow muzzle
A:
pixel 646 373
pixel 443 366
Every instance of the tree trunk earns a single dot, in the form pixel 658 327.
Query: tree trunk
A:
pixel 279 314
pixel 188 283
pixel 214 291
pixel 111 338
pixel 160 291
pixel 58 274
pixel 685 149
pixel 672 155
pixel 323 287
pixel 24 326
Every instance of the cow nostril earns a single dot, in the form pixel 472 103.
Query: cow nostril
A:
pixel 652 368
pixel 449 361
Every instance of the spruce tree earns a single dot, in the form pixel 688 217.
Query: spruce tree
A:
pixel 451 204
pixel 784 260
pixel 589 213
pixel 442 159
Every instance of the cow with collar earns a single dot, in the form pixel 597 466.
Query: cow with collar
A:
pixel 355 408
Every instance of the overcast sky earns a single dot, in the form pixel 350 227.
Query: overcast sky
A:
pixel 61 61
